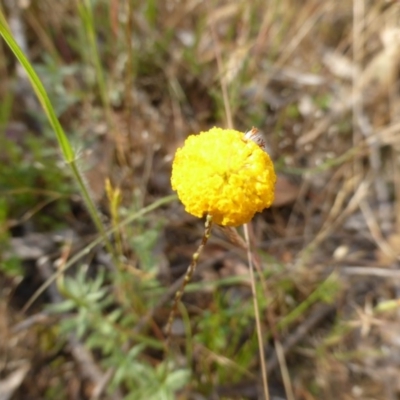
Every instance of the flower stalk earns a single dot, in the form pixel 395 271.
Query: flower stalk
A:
pixel 189 273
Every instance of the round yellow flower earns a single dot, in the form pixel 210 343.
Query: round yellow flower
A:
pixel 222 173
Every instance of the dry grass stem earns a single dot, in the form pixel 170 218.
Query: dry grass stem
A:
pixel 264 375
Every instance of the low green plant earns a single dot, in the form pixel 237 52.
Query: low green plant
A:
pixel 106 326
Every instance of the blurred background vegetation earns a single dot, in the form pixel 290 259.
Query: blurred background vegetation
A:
pixel 88 267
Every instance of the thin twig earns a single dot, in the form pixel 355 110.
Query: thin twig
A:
pixel 284 370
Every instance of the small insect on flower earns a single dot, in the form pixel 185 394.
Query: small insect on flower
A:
pixel 256 136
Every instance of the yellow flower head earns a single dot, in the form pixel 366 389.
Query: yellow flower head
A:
pixel 222 173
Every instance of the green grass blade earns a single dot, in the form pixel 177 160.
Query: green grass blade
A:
pixel 38 87
pixel 66 148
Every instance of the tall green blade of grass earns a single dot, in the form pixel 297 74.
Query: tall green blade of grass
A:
pixel 65 146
